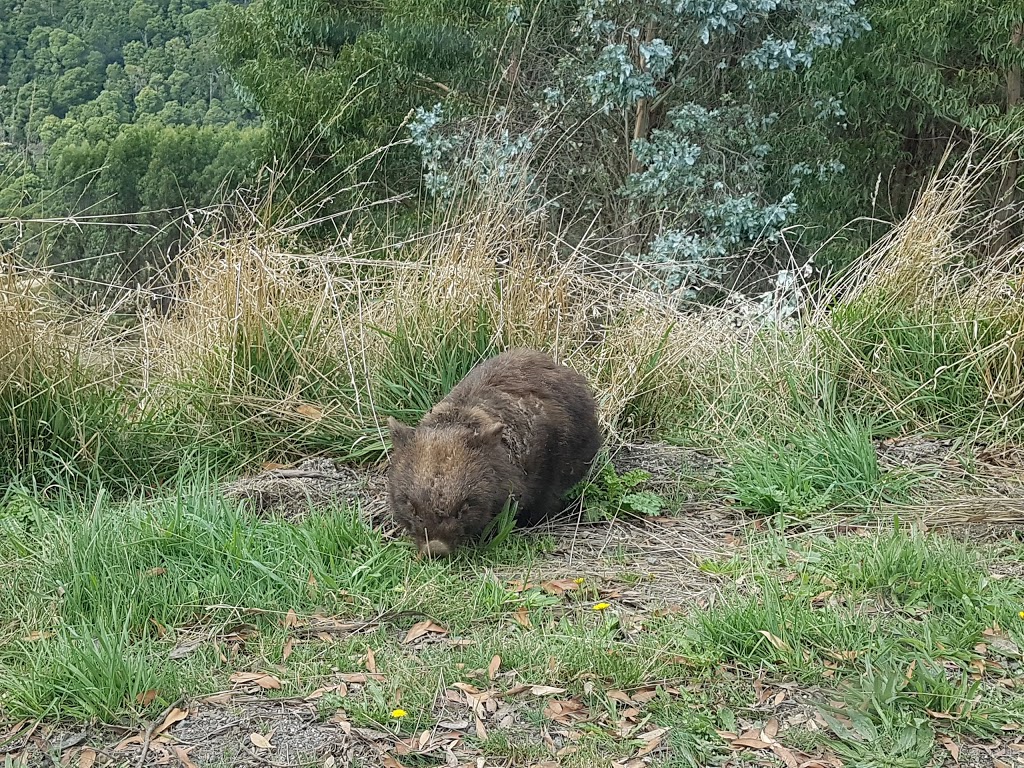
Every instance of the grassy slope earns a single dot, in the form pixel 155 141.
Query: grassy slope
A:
pixel 118 549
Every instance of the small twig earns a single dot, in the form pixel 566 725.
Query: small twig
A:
pixel 360 626
pixel 341 629
pixel 289 474
pixel 152 727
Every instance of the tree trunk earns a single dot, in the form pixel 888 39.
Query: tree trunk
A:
pixel 641 127
pixel 642 120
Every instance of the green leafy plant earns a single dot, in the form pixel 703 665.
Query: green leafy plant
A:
pixel 611 494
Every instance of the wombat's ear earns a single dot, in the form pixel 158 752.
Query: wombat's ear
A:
pixel 400 433
pixel 490 433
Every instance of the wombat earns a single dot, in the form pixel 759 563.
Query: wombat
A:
pixel 518 425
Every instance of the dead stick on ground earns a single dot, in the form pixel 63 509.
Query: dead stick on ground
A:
pixel 360 626
pixel 152 727
pixel 300 474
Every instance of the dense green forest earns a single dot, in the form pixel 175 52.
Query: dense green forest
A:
pixel 119 115
pixel 689 133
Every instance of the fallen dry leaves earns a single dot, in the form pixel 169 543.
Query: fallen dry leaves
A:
pixel 565 711
pixel 493 667
pixel 176 715
pixel 764 738
pixel 999 642
pixel 146 698
pixel 181 753
pixel 422 628
pixel 255 680
pixel 777 642
pixel 651 741
pixel 289 645
pixel 309 411
pixel 261 741
pixel 559 586
pixel 951 746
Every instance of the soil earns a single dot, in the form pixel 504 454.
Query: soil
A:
pixel 649 565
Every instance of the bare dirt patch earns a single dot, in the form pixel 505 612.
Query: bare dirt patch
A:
pixel 651 563
pixel 316 483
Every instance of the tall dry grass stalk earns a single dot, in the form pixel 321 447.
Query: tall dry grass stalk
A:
pixel 29 315
pixel 490 270
pixel 943 291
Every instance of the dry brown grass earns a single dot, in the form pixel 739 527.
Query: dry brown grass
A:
pixel 928 329
pixel 281 352
pixel 488 272
pixel 26 334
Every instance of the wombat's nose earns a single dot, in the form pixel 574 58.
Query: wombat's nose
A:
pixel 435 549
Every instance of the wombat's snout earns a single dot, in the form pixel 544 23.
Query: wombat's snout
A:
pixel 435 548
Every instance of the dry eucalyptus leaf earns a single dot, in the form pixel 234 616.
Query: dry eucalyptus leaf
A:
pixel 182 754
pixel 422 628
pixel 309 411
pixel 652 739
pixel 146 697
pixel 522 618
pixel 260 741
pixel 776 641
pixel 261 679
pixel 174 716
pixel 559 586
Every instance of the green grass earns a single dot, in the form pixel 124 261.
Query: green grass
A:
pixel 813 466
pixel 101 591
pixel 890 621
pixel 944 369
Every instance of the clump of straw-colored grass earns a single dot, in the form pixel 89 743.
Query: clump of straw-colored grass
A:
pixel 485 280
pixel 928 330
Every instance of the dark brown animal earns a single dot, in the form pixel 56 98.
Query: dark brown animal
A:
pixel 518 425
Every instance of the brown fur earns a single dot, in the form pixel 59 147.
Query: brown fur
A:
pixel 517 425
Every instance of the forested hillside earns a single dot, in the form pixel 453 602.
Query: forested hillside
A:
pixel 116 114
pixel 696 135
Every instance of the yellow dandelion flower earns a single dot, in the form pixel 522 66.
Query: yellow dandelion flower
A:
pixel 578 580
pixel 602 606
pixel 1021 614
pixel 398 713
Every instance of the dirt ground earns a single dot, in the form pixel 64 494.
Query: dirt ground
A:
pixel 662 554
